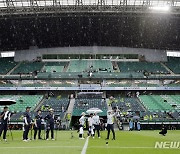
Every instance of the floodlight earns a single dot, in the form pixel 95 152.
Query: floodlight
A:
pixel 160 8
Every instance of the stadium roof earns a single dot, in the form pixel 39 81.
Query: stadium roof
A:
pixel 150 24
pixel 29 3
pixel 89 5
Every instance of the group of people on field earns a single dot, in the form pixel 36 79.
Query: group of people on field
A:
pixel 94 125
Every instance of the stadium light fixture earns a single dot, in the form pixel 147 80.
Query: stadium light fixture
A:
pixel 7 54
pixel 160 8
pixel 173 54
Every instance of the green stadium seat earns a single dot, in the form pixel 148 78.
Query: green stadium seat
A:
pixel 28 67
pixel 150 67
pixel 6 64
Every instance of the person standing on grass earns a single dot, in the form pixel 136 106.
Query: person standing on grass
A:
pixel 110 124
pixel 81 125
pixel 37 125
pixel 50 124
pixel 163 130
pixel 90 124
pixel 138 126
pixel 131 124
pixel 27 123
pixel 96 124
pixel 5 118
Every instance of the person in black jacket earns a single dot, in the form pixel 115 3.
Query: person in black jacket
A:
pixel 163 130
pixel 27 123
pixel 50 124
pixel 37 125
pixel 5 118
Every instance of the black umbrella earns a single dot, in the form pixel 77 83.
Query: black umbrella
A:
pixel 7 102
pixel 46 106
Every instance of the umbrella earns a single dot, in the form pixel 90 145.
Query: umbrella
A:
pixel 7 102
pixel 94 110
pixel 136 117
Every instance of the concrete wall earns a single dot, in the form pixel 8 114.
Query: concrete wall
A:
pixel 33 53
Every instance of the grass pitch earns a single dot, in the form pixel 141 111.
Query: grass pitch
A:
pixel 134 142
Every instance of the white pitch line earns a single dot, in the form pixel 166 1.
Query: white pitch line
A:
pixel 40 147
pixel 85 146
pixel 117 147
pixel 114 147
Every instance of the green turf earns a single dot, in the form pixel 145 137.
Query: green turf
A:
pixel 64 144
pixel 126 142
pixel 133 142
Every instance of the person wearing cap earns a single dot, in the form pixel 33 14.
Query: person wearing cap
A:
pixel 37 125
pixel 81 125
pixel 50 124
pixel 90 124
pixel 110 124
pixel 27 123
pixel 96 124
pixel 5 118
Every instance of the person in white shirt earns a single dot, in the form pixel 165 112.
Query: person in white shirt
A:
pixel 110 124
pixel 96 124
pixel 81 126
pixel 90 124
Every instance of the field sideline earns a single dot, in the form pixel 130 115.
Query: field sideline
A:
pixel 126 142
